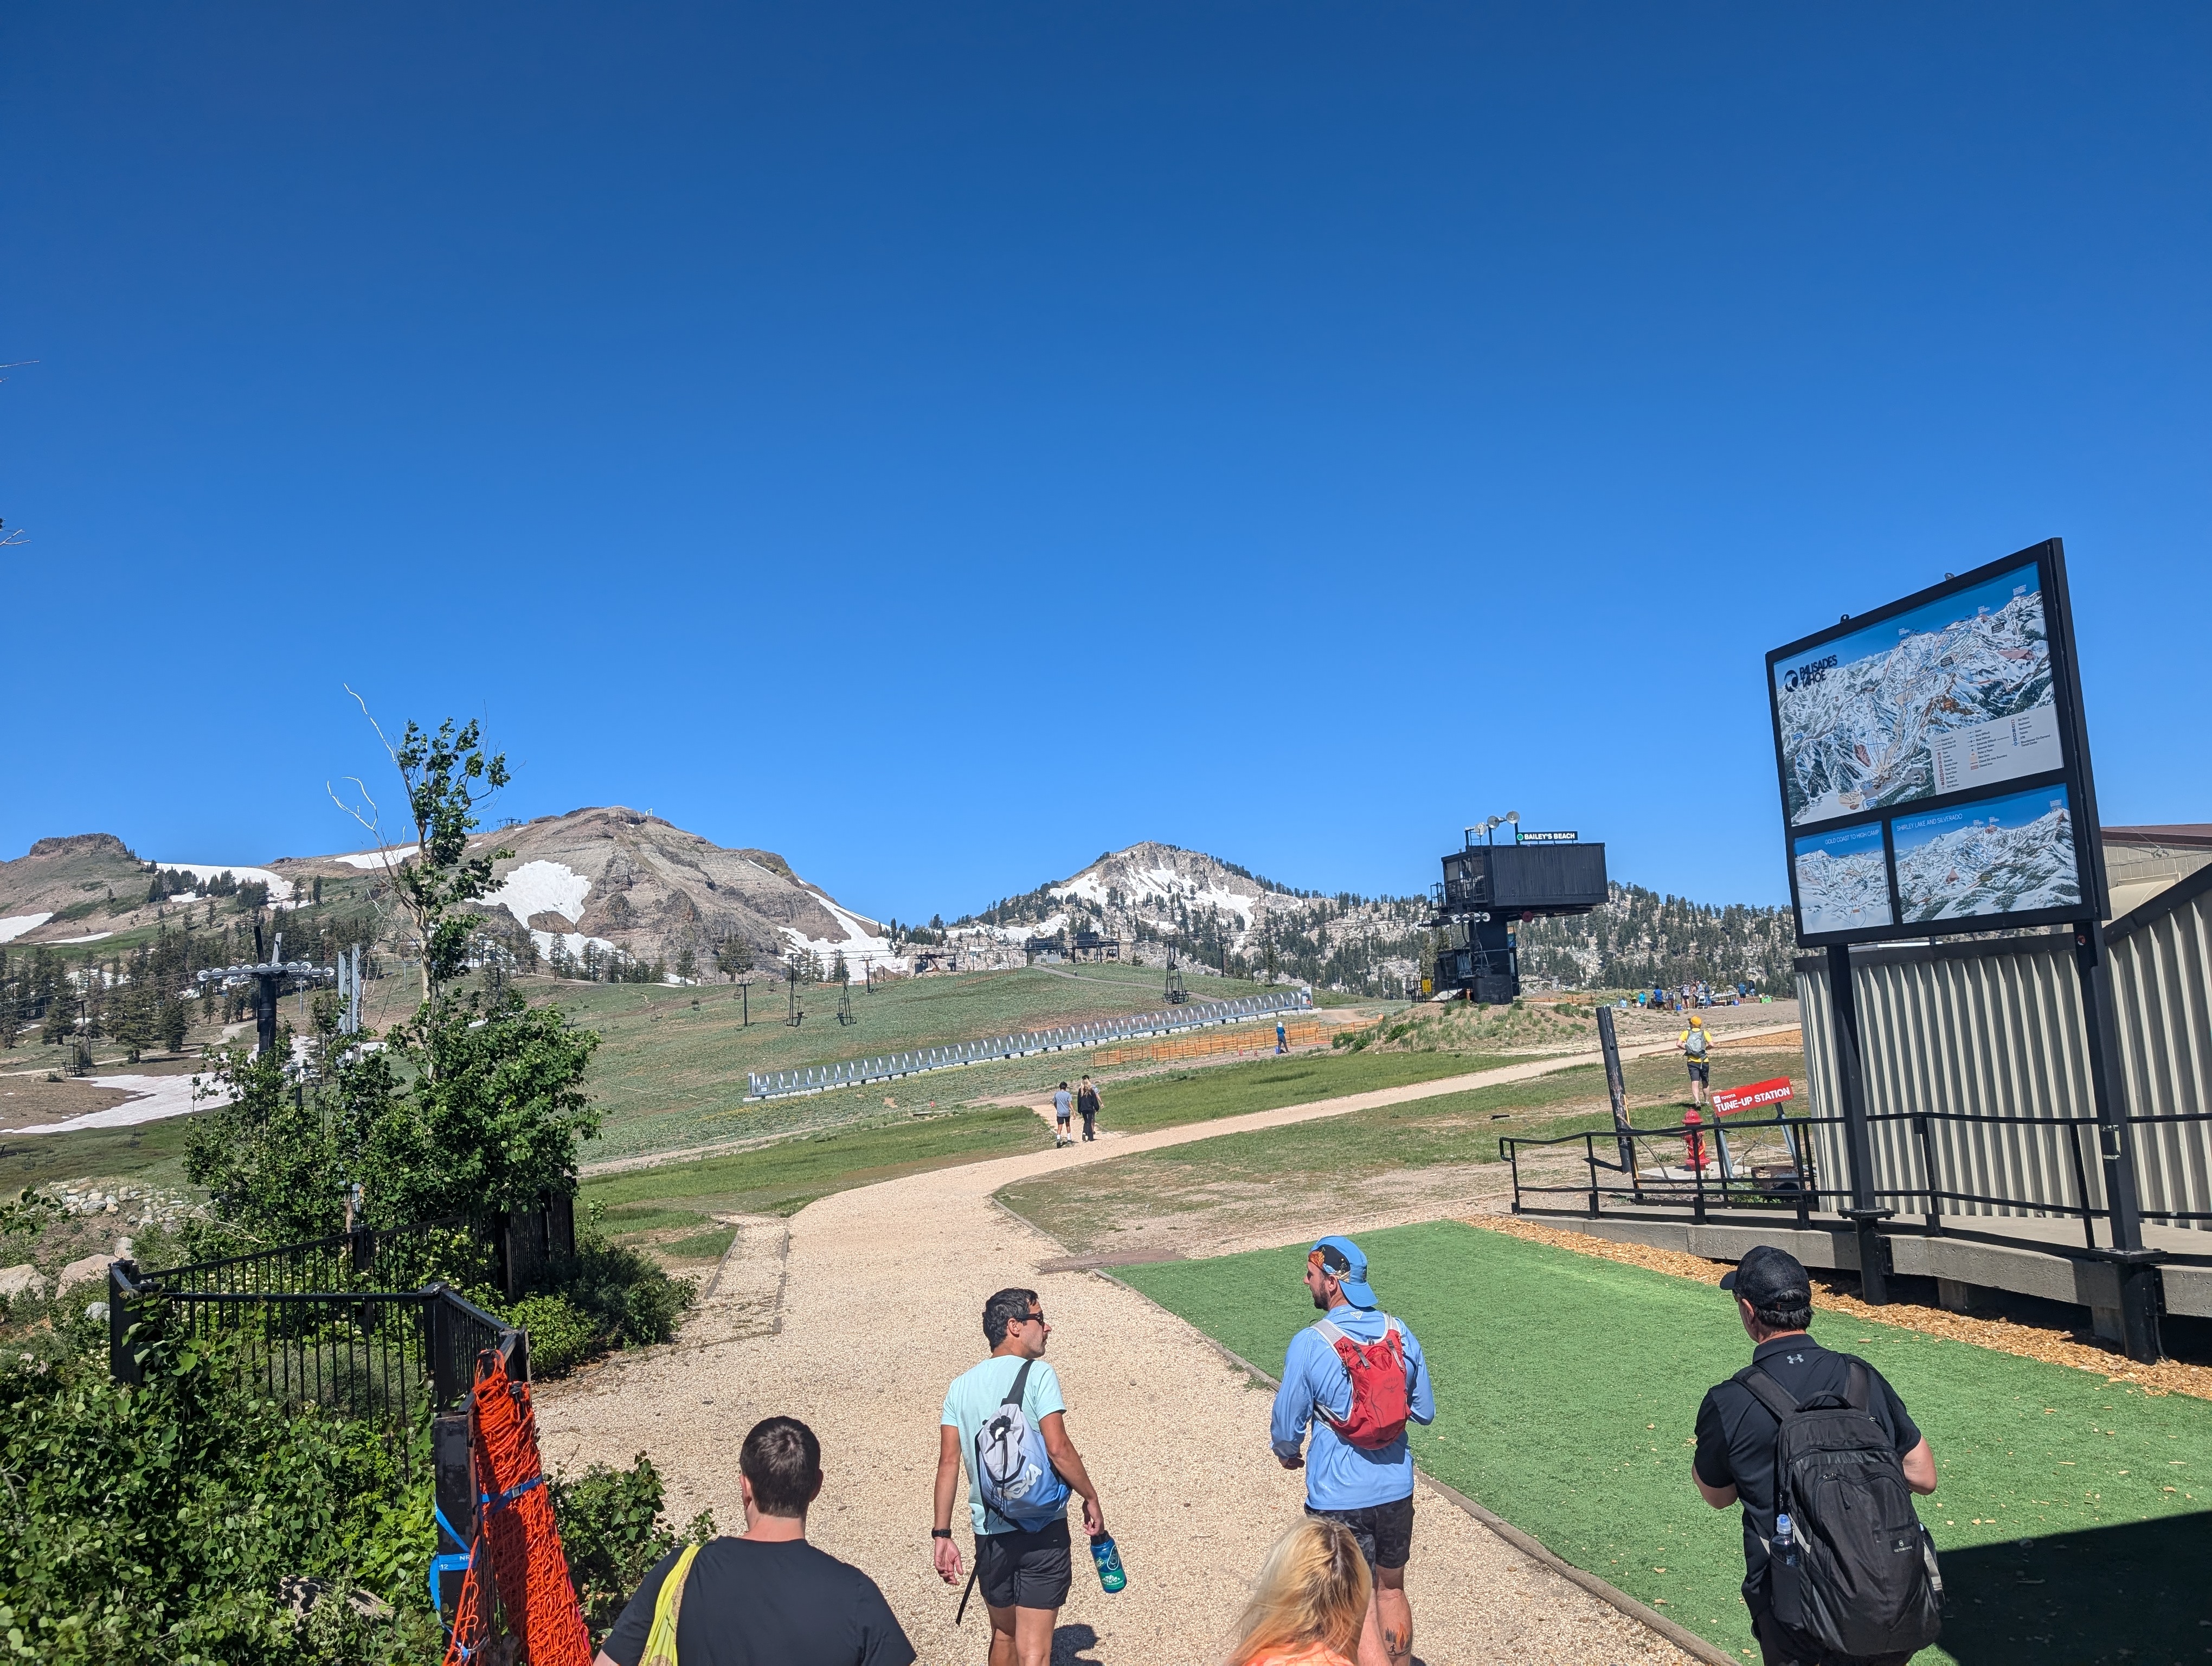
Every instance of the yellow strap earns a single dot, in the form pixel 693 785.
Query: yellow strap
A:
pixel 660 1641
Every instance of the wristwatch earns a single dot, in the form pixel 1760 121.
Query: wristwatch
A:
pixel 940 1532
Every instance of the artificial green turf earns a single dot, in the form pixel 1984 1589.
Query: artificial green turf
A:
pixel 1567 1391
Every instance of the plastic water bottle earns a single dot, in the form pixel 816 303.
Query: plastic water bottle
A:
pixel 1785 1539
pixel 1109 1563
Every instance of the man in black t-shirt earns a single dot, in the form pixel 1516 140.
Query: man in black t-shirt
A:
pixel 768 1598
pixel 1734 1463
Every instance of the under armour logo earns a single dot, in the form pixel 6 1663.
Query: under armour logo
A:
pixel 1794 1359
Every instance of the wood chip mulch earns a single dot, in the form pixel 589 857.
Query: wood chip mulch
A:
pixel 2055 1347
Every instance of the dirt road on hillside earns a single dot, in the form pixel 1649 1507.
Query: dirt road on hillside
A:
pixel 880 1292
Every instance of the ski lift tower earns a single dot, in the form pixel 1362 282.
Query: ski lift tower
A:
pixel 1491 888
pixel 269 978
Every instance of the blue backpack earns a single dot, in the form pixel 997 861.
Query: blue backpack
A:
pixel 1012 1472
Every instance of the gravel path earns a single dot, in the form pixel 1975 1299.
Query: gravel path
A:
pixel 880 1291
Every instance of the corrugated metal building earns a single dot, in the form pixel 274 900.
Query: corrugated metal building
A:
pixel 1994 1028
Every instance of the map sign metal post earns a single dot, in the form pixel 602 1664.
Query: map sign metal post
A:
pixel 1616 1087
pixel 1934 772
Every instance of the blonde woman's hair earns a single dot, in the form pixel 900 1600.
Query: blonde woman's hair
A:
pixel 1312 1588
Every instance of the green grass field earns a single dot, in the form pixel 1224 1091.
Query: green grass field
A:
pixel 1568 1387
pixel 1342 1155
pixel 671 1068
pixel 786 1176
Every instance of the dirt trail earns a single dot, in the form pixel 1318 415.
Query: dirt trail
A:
pixel 881 1288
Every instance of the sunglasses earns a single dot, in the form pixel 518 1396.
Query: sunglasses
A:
pixel 1036 1318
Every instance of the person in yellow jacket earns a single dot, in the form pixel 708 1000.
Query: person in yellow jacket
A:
pixel 1696 1045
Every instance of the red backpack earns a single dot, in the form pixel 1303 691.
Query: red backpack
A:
pixel 1380 1394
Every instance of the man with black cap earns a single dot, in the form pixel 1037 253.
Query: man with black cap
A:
pixel 1357 1378
pixel 1737 1429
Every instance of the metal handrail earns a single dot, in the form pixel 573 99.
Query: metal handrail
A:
pixel 815 1078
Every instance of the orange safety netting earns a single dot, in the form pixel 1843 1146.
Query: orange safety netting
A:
pixel 517 1547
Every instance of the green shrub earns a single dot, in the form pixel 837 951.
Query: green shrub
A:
pixel 156 1522
pixel 631 1301
pixel 613 1533
pixel 561 1334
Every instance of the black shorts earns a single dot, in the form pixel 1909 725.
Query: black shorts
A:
pixel 1385 1531
pixel 1024 1570
pixel 1700 1072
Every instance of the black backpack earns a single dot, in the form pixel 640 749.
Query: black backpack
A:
pixel 1864 1579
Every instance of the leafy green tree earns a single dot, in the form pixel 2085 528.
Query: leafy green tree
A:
pixel 494 1118
pixel 735 956
pixel 687 964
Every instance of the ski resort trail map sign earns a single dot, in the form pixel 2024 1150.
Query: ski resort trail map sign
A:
pixel 1932 762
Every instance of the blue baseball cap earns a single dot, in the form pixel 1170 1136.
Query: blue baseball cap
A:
pixel 1345 1262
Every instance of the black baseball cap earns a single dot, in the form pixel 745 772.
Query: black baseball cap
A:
pixel 1767 1277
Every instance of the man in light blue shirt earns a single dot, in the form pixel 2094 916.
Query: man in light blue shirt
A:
pixel 1370 1490
pixel 1023 1565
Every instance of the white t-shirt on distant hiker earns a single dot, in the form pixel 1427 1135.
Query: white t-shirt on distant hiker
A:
pixel 1063 1106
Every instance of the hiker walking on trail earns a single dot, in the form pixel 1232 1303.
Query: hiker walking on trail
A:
pixel 1356 1377
pixel 1086 1101
pixel 767 1596
pixel 1697 1046
pixel 1818 1442
pixel 1062 1109
pixel 1006 1420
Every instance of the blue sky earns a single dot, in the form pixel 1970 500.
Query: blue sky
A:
pixel 942 443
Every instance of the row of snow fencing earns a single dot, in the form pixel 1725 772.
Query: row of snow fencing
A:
pixel 817 1078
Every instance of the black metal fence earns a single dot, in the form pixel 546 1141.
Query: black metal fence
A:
pixel 1745 1163
pixel 310 1322
pixel 1768 1163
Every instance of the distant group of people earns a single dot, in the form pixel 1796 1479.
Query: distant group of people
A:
pixel 1084 1103
pixel 1815 1447
pixel 1687 996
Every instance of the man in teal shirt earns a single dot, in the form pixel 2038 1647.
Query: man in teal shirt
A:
pixel 1024 1568
pixel 1371 1490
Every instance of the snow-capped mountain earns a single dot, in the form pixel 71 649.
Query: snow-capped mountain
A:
pixel 1162 900
pixel 611 877
pixel 1873 731
pixel 1986 868
pixel 1843 893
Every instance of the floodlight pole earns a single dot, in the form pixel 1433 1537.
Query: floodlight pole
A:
pixel 1858 1142
pixel 2137 1265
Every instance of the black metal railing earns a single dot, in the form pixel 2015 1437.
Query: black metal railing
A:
pixel 367 1258
pixel 1934 1195
pixel 394 1355
pixel 1717 1167
pixel 2173 1119
pixel 1719 1164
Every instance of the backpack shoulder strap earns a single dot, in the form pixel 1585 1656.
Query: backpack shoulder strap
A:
pixel 1767 1392
pixel 1021 1382
pixel 1858 1393
pixel 667 1611
pixel 1330 1333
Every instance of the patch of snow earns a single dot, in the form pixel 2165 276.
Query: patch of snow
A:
pixel 15 925
pixel 374 859
pixel 280 889
pixel 1160 883
pixel 93 937
pixel 153 1098
pixel 860 947
pixel 541 887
